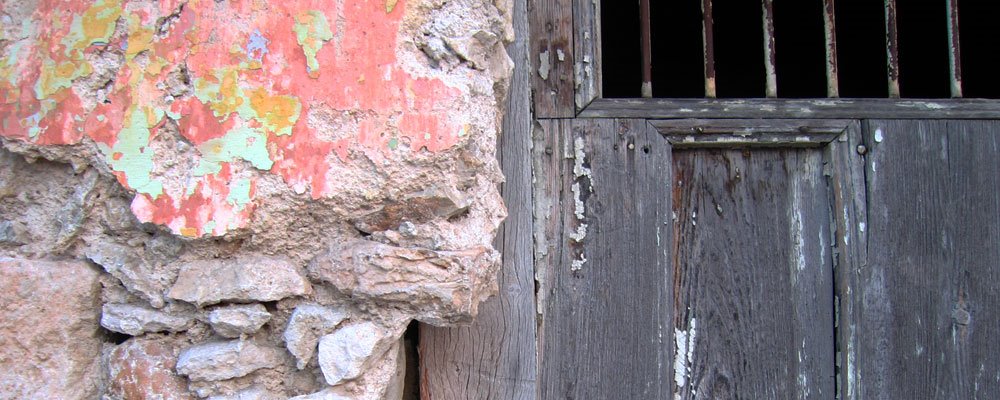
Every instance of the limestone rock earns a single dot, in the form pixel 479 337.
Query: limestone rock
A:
pixel 49 344
pixel 326 394
pixel 245 279
pixel 235 320
pixel 218 361
pixel 134 320
pixel 347 353
pixel 306 325
pixel 438 287
pixel 137 274
pixel 251 393
pixel 143 369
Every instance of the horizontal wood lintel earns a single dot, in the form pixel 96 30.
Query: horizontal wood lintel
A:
pixel 750 132
pixel 787 108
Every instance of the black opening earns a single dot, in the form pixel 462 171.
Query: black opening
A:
pixel 411 341
pixel 739 48
pixel 923 48
pixel 801 51
pixel 678 63
pixel 620 53
pixel 980 41
pixel 861 58
pixel 678 69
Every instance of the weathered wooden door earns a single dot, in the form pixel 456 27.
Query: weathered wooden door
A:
pixel 768 259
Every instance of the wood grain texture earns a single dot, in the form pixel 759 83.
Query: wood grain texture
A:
pixel 782 108
pixel 551 55
pixel 844 166
pixel 495 357
pixel 752 271
pixel 605 329
pixel 928 298
pixel 750 133
pixel 587 45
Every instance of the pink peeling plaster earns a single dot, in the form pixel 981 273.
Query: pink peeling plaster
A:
pixel 252 94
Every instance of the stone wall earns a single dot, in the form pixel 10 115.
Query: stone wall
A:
pixel 242 199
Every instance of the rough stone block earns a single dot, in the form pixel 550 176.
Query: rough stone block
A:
pixel 245 279
pixel 218 361
pixel 307 324
pixel 49 342
pixel 134 320
pixel 438 287
pixel 347 353
pixel 143 369
pixel 235 320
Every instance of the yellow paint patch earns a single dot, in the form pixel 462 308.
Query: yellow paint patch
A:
pixel 390 5
pixel 277 113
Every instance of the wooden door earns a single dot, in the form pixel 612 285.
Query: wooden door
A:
pixel 777 259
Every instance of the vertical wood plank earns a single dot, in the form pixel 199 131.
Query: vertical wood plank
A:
pixel 892 48
pixel 844 165
pixel 928 300
pixel 752 273
pixel 495 357
pixel 607 318
pixel 551 56
pixel 587 41
pixel 708 43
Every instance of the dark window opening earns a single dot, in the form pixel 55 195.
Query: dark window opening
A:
pixel 801 65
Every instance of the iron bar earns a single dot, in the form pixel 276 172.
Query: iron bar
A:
pixel 954 53
pixel 709 43
pixel 830 25
pixel 769 58
pixel 647 53
pixel 892 48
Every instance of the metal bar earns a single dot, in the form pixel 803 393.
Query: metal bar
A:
pixel 830 24
pixel 709 43
pixel 892 48
pixel 647 53
pixel 769 58
pixel 954 53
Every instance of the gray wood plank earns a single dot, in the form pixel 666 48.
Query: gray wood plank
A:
pixel 750 133
pixel 587 46
pixel 845 168
pixel 752 271
pixel 551 55
pixel 785 108
pixel 494 358
pixel 929 296
pixel 606 323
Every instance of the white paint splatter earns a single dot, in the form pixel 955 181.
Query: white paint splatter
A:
pixel 861 227
pixel 878 135
pixel 684 357
pixel 543 65
pixel 578 263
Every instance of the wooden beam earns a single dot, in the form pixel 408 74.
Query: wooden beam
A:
pixel 552 57
pixel 494 358
pixel 688 133
pixel 780 108
pixel 587 41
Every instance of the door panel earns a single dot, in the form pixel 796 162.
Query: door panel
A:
pixel 930 292
pixel 752 273
pixel 604 258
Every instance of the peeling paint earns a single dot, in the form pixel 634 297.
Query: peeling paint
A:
pixel 543 65
pixel 684 341
pixel 254 72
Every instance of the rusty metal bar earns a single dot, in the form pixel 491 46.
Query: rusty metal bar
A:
pixel 954 53
pixel 769 59
pixel 892 48
pixel 709 43
pixel 830 25
pixel 647 53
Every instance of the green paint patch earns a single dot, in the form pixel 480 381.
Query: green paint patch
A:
pixel 239 193
pixel 239 143
pixel 132 156
pixel 393 143
pixel 312 30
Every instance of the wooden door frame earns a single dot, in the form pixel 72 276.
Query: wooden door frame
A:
pixel 557 75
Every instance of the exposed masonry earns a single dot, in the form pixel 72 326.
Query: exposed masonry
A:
pixel 250 199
